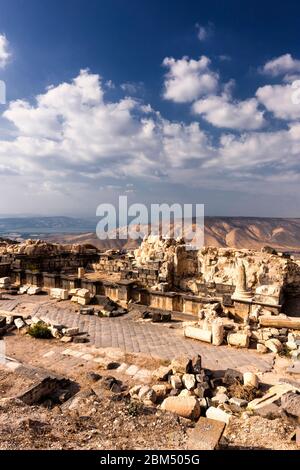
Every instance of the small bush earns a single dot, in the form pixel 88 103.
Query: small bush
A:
pixel 134 408
pixel 40 330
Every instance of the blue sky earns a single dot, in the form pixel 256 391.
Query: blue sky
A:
pixel 165 101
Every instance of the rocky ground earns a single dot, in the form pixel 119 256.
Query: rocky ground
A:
pixel 99 418
pixel 97 423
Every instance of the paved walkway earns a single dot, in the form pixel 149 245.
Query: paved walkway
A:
pixel 147 338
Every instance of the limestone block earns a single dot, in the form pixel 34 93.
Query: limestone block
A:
pixel 70 331
pixel 218 414
pixel 60 294
pixel 83 301
pixel 185 393
pixel 19 323
pixel 146 393
pixel 34 290
pixel 274 393
pixel 217 332
pixel 238 402
pixel 161 390
pixel 250 380
pixel 187 407
pixel 189 381
pixel 198 333
pixel 261 348
pixel 274 345
pixel 240 340
pixel 220 398
pixel 162 373
pixel 176 382
pixel 84 293
pixel 181 365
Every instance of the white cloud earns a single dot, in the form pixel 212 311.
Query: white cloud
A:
pixel 132 88
pixel 4 51
pixel 221 112
pixel 71 137
pixel 279 99
pixel 285 64
pixel 188 79
pixel 204 32
pixel 183 143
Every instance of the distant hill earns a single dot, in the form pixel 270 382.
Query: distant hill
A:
pixel 236 232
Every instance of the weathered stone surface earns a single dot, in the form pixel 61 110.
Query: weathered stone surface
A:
pixel 185 393
pixel 205 435
pixel 239 340
pixel 217 332
pixel 202 390
pixel 220 389
pixel 250 380
pixel 161 390
pixel 196 364
pixel 274 394
pixel 146 393
pixel 60 294
pixel 238 402
pixel 261 348
pixel 220 398
pixel 23 289
pixel 132 370
pixel 162 373
pixel 93 376
pixel 274 345
pixel 231 376
pixel 66 339
pixel 176 382
pixel 218 414
pixel 290 402
pixel 189 381
pixel 19 323
pixel 181 365
pixel 134 391
pixel 198 333
pixel 70 331
pixel 187 407
pixel 34 290
pixel 269 411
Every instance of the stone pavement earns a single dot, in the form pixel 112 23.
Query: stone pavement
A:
pixel 154 340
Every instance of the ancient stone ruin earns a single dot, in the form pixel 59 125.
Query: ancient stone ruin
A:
pixel 232 296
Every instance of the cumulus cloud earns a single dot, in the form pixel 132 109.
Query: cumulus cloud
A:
pixel 4 51
pixel 285 64
pixel 71 136
pixel 188 79
pixel 280 100
pixel 221 112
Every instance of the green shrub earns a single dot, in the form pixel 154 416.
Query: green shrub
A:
pixel 134 408
pixel 40 330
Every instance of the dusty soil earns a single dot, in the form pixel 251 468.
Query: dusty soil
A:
pixel 259 433
pixel 11 385
pixel 96 423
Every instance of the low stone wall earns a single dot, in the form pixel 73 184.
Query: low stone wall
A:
pixel 43 389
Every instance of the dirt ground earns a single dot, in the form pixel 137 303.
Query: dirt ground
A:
pixel 107 420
